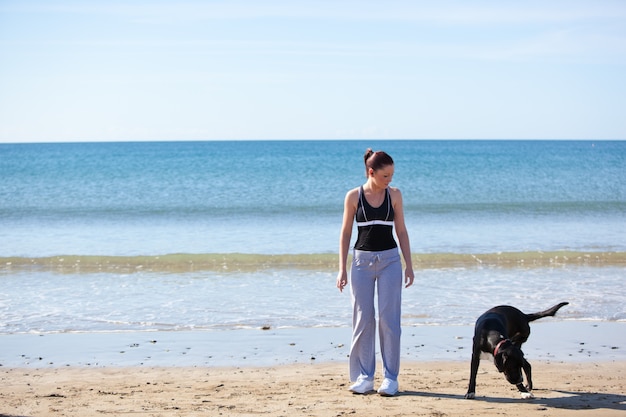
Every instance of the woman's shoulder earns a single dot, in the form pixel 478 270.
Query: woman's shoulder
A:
pixel 352 198
pixel 395 193
pixel 355 190
pixel 353 193
pixel 394 190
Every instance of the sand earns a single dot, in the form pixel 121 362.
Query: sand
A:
pixel 426 389
pixel 579 369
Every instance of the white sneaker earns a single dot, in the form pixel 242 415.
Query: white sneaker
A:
pixel 362 385
pixel 388 388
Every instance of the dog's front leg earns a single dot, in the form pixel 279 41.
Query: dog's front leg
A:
pixel 525 390
pixel 528 371
pixel 471 390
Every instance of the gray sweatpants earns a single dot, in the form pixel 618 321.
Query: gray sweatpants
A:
pixel 370 271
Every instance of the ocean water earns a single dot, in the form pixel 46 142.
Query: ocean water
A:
pixel 227 235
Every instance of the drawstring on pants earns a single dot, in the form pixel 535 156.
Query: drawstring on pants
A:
pixel 375 259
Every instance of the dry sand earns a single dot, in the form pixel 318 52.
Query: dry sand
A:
pixel 426 389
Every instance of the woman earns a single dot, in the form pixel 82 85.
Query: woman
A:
pixel 376 263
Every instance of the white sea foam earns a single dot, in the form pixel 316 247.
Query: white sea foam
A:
pixel 49 302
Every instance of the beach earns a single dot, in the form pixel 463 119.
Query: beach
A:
pixel 427 389
pixel 578 369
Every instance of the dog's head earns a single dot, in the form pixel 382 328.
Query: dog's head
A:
pixel 509 359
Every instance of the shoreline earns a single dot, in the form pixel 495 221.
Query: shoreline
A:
pixel 566 341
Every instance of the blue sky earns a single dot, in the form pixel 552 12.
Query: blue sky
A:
pixel 208 70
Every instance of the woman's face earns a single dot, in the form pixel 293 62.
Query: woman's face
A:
pixel 382 177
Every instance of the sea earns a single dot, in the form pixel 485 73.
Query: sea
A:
pixel 228 235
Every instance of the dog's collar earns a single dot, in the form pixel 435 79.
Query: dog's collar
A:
pixel 495 351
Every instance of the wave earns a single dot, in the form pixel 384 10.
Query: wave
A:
pixel 228 209
pixel 244 262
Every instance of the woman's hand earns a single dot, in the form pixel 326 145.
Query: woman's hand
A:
pixel 342 280
pixel 409 277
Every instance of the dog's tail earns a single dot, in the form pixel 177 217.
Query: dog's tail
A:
pixel 549 312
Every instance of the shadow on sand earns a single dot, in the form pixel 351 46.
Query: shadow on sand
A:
pixel 566 400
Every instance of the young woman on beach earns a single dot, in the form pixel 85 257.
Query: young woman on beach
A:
pixel 376 263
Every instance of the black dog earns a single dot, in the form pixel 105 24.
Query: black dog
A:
pixel 501 331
